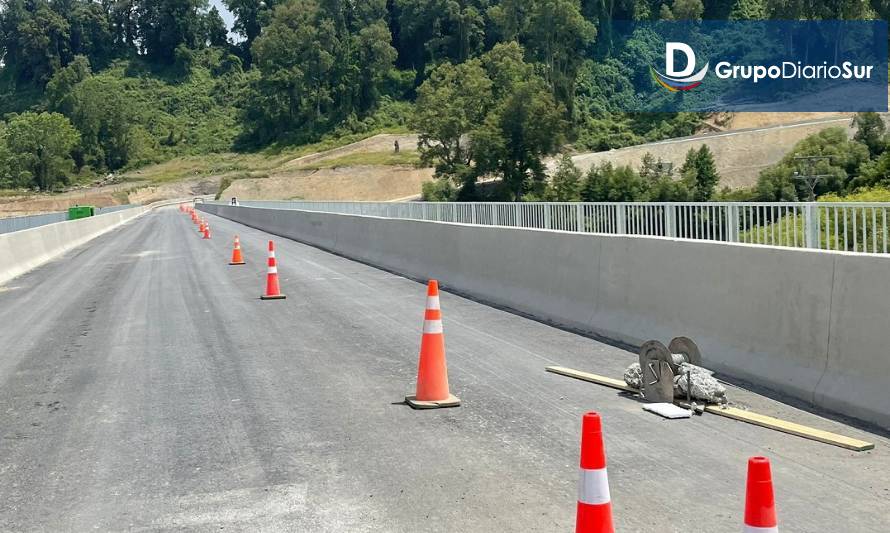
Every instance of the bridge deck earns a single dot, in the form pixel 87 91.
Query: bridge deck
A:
pixel 144 386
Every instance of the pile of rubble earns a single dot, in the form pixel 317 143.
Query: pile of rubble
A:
pixel 665 373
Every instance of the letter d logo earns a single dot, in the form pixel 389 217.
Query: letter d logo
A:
pixel 669 50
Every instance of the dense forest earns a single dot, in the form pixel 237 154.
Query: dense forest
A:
pixel 89 87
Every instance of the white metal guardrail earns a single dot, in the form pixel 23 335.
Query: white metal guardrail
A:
pixel 855 227
pixel 8 225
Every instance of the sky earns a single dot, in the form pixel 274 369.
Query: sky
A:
pixel 226 15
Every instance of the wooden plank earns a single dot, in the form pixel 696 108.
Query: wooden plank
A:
pixel 749 417
pixel 592 378
pixel 791 428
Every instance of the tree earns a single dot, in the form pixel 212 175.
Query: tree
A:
pixel 870 130
pixel 250 17
pixel 659 184
pixel 518 134
pixel 489 116
pixel 164 25
pixel 606 183
pixel 566 182
pixel 215 31
pixel 104 118
pixel 451 104
pixel 554 33
pixel 35 40
pixel 748 10
pixel 843 158
pixel 699 173
pixel 58 90
pixel 7 176
pixel 320 63
pixel 687 9
pixel 435 31
pixel 40 146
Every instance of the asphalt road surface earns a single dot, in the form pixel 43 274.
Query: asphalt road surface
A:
pixel 145 387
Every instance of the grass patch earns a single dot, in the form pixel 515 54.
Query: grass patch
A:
pixel 265 160
pixel 404 158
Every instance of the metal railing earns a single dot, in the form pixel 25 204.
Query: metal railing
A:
pixel 9 225
pixel 855 227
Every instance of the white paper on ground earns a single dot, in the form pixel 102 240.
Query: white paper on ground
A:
pixel 667 410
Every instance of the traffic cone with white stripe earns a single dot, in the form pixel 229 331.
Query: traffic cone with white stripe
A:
pixel 237 258
pixel 207 231
pixel 432 372
pixel 273 291
pixel 594 501
pixel 760 502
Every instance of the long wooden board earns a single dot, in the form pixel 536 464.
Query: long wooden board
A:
pixel 736 414
pixel 791 428
pixel 592 378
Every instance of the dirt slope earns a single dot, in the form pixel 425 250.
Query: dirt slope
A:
pixel 293 180
pixel 740 154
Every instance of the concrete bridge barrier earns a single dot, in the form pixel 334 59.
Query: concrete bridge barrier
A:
pixel 21 251
pixel 804 323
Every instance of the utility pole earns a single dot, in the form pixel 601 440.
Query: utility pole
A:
pixel 808 176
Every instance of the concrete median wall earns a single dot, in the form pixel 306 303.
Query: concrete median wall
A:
pixel 804 323
pixel 24 250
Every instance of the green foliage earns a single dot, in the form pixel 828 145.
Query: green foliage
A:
pixel 607 183
pixel 438 191
pixel 653 183
pixel 748 10
pixel 565 184
pixel 403 158
pixel 37 149
pixel 499 85
pixel 687 9
pixel 319 63
pixel 490 116
pixel 451 104
pixel 699 173
pixel 844 157
pixel 870 131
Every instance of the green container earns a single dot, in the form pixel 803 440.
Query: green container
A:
pixel 81 211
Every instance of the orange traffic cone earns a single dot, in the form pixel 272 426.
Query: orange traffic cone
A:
pixel 760 503
pixel 273 291
pixel 237 258
pixel 207 231
pixel 432 373
pixel 594 501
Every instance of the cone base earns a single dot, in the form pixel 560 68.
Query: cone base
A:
pixel 240 263
pixel 451 401
pixel 275 297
